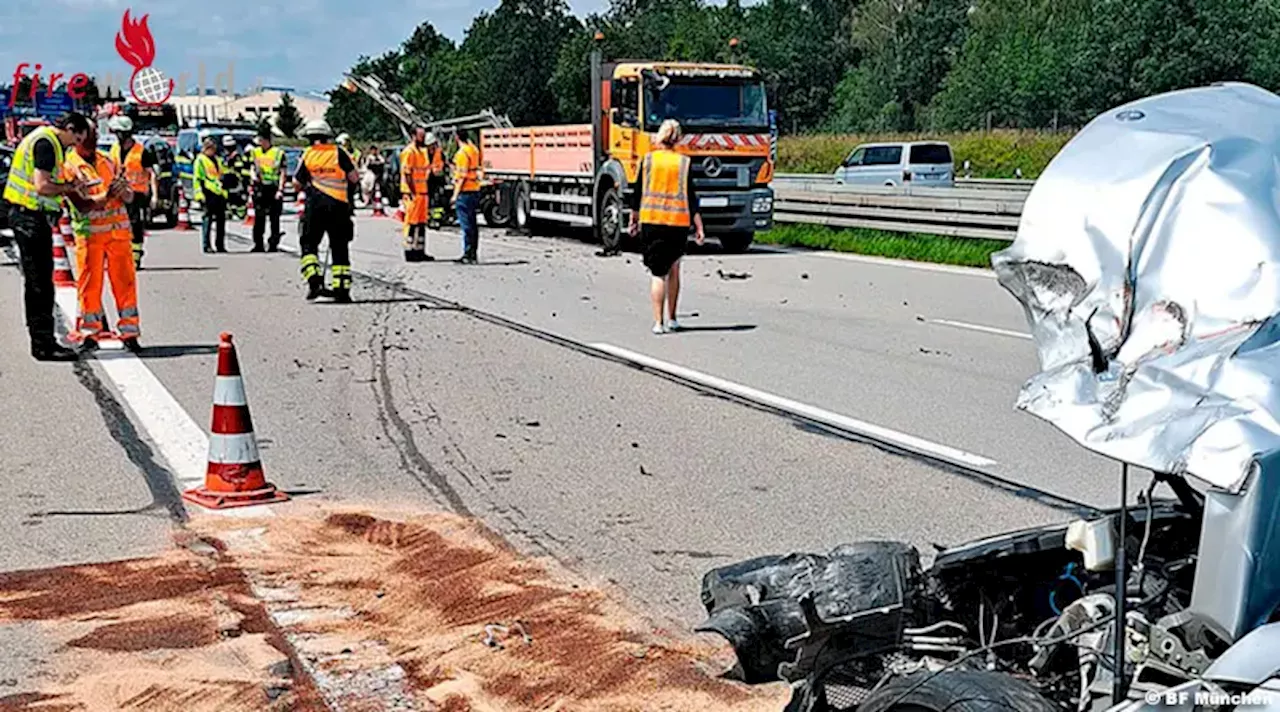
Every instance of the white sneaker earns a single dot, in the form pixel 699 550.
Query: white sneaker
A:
pixel 657 329
pixel 673 325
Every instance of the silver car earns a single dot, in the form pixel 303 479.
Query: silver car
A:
pixel 916 163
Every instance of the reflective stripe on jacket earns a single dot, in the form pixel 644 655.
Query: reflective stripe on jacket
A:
pixel 325 170
pixel 21 188
pixel 466 165
pixel 270 163
pixel 137 176
pixel 664 200
pixel 111 221
pixel 414 168
pixel 207 175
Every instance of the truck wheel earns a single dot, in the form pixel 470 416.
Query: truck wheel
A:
pixel 609 223
pixel 736 242
pixel 524 222
pixel 956 691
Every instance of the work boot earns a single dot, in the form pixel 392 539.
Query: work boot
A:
pixel 53 352
pixel 342 296
pixel 132 344
pixel 88 344
pixel 414 256
pixel 314 287
pixel 273 246
pixel 258 248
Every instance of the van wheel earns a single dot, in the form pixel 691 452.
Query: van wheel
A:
pixel 736 242
pixel 609 223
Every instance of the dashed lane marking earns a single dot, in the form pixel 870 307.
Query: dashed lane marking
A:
pixel 984 329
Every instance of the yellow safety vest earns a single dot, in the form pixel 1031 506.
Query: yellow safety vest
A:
pixel 206 174
pixel 21 188
pixel 133 170
pixel 269 162
pixel 326 172
pixel 664 201
pixel 112 219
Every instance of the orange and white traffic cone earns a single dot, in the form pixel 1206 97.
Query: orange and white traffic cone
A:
pixel 184 217
pixel 234 477
pixel 62 276
pixel 378 202
pixel 64 228
pixel 248 216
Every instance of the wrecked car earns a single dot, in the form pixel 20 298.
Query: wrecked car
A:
pixel 1146 261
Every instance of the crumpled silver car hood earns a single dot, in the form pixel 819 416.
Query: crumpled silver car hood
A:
pixel 1158 227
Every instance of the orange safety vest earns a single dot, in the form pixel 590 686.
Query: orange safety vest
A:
pixel 664 201
pixel 414 167
pixel 326 172
pixel 466 165
pixel 111 221
pixel 437 160
pixel 137 176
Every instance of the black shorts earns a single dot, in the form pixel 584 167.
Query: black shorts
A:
pixel 662 246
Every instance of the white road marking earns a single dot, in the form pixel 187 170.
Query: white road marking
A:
pixel 983 329
pixel 182 443
pixel 844 422
pixel 921 266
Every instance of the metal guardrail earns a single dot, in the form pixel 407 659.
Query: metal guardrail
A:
pixel 988 212
pixel 975 183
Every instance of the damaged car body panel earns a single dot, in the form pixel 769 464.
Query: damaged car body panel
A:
pixel 1146 265
pixel 1146 261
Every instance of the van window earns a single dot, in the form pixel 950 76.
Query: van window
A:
pixel 931 153
pixel 883 156
pixel 855 158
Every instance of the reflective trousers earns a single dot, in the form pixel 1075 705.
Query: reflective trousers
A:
pixel 98 257
pixel 325 216
pixel 138 209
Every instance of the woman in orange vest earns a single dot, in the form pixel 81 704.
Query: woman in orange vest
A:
pixel 103 245
pixel 415 169
pixel 661 212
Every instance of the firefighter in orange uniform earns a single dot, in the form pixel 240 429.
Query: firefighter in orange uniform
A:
pixel 139 165
pixel 103 244
pixel 438 196
pixel 415 168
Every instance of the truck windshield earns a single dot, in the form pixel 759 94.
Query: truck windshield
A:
pixel 714 104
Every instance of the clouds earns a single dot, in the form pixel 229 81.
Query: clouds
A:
pixel 304 43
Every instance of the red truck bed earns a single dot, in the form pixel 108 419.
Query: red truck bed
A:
pixel 538 151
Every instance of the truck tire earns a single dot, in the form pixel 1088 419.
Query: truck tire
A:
pixel 609 220
pixel 736 242
pixel 521 207
pixel 956 691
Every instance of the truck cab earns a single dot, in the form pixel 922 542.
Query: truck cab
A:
pixel 724 117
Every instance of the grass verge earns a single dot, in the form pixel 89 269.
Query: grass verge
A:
pixel 938 249
pixel 995 154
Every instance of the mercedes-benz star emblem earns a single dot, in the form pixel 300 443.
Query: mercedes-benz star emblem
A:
pixel 711 166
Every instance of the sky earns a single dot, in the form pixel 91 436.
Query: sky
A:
pixel 303 44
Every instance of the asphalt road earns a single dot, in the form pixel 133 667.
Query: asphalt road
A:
pixel 473 388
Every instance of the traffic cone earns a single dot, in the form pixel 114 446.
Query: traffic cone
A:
pixel 64 228
pixel 62 276
pixel 378 202
pixel 184 218
pixel 300 204
pixel 234 477
pixel 248 216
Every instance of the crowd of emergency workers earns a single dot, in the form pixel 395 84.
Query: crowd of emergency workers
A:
pixel 59 170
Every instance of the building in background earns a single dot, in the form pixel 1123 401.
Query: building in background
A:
pixel 252 107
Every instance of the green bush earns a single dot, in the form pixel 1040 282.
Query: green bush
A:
pixel 897 245
pixel 995 154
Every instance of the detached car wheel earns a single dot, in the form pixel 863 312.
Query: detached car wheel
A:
pixel 957 691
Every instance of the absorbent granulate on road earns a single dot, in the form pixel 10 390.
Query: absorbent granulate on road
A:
pixel 436 606
pixel 178 631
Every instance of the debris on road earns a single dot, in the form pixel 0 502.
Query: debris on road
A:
pixel 732 275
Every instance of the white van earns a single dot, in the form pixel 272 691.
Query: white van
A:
pixel 916 163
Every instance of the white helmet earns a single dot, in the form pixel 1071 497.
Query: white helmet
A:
pixel 343 138
pixel 120 124
pixel 431 138
pixel 316 127
pixel 229 141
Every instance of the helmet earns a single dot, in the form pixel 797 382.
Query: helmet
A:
pixel 431 138
pixel 343 138
pixel 229 141
pixel 316 127
pixel 120 124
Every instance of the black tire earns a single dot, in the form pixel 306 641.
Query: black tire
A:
pixel 521 207
pixel 609 227
pixel 736 242
pixel 957 691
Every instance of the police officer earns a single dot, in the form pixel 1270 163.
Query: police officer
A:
pixel 326 173
pixel 139 165
pixel 34 193
pixel 268 189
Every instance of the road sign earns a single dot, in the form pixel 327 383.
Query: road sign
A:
pixel 52 107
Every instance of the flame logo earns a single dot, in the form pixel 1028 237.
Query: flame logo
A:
pixel 136 46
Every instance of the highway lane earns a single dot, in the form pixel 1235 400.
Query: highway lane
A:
pixel 930 352
pixel 630 478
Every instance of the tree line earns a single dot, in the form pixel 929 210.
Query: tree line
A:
pixel 840 65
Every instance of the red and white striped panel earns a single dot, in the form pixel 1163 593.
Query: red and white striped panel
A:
pixel 721 140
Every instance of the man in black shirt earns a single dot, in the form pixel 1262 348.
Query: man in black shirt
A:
pixel 34 194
